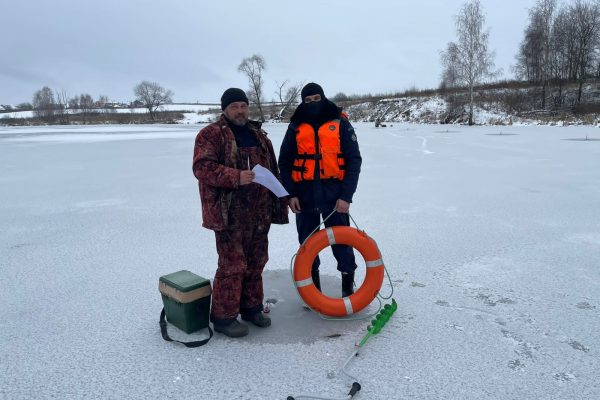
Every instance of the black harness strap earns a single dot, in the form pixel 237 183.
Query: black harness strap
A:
pixel 165 335
pixel 307 156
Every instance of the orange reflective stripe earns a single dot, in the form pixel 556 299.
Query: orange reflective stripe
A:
pixel 332 306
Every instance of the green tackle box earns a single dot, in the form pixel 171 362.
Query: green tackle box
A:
pixel 186 298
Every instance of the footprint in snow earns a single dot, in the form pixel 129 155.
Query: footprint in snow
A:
pixel 455 326
pixel 491 303
pixel 516 365
pixel 584 305
pixel 523 348
pixel 578 346
pixel 564 376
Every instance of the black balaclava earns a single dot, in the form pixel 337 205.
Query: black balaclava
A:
pixel 310 89
pixel 314 108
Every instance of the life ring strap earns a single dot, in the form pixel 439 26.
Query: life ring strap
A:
pixel 375 263
pixel 330 236
pixel 348 305
pixel 305 282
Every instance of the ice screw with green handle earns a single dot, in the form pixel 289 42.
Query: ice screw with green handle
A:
pixel 379 322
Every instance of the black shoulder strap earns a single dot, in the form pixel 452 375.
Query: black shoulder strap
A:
pixel 165 335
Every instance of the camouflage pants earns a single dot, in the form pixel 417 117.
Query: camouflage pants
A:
pixel 238 286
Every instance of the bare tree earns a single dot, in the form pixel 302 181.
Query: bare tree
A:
pixel 564 45
pixel 62 106
pixel 44 103
pixel 102 103
pixel 450 60
pixel 534 61
pixel 545 13
pixel 253 68
pixel 586 17
pixel 529 58
pixel 74 103
pixel 576 40
pixel 280 90
pixel 24 106
pixel 152 96
pixel 287 96
pixel 470 61
pixel 86 103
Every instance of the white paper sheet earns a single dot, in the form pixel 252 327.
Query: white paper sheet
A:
pixel 266 178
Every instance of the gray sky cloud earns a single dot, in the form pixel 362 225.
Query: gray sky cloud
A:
pixel 194 47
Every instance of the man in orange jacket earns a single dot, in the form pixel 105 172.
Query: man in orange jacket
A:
pixel 320 164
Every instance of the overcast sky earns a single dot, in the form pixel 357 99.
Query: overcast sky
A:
pixel 194 47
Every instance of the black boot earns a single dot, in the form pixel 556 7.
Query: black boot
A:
pixel 259 319
pixel 232 329
pixel 347 283
pixel 316 278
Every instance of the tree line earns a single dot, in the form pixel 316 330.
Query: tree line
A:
pixel 54 105
pixel 560 44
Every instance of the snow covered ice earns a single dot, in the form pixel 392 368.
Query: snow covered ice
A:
pixel 491 236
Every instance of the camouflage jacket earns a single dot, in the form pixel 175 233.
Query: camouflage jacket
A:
pixel 214 166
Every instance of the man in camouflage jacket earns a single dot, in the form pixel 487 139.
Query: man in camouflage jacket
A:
pixel 238 210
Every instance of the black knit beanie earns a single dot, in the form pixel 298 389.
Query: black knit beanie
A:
pixel 232 95
pixel 310 89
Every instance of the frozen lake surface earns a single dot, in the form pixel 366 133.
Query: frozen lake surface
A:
pixel 491 236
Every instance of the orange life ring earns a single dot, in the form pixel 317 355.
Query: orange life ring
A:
pixel 335 306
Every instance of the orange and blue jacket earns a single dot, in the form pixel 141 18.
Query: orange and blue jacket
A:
pixel 320 164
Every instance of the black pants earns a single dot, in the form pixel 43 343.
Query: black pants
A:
pixel 306 222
